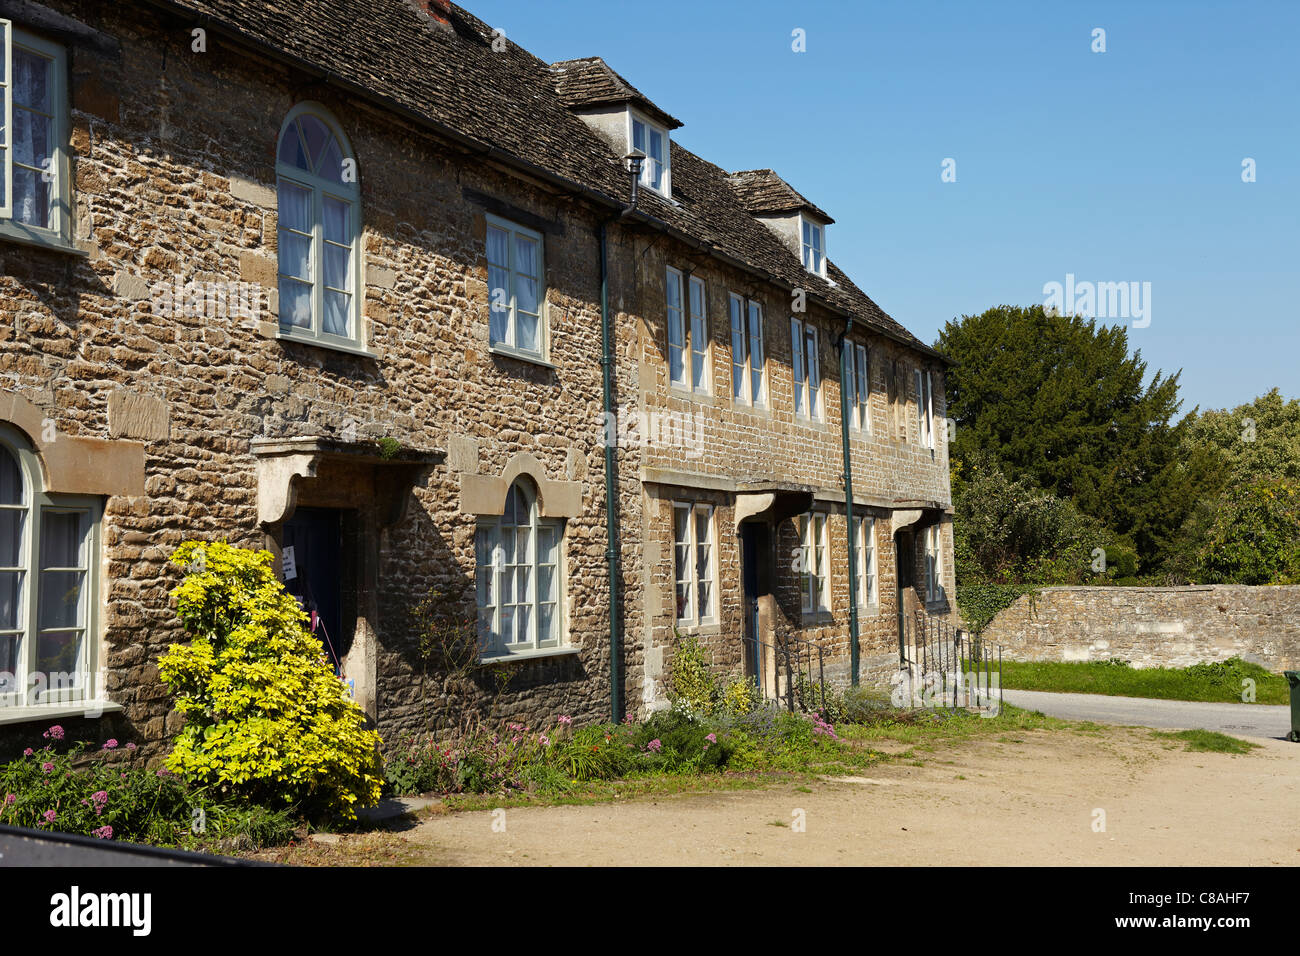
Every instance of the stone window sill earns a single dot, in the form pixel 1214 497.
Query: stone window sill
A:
pixel 691 395
pixel 321 343
pixel 566 651
pixel 84 708
pixel 810 619
pixel 521 356
pixel 705 629
pixel 20 235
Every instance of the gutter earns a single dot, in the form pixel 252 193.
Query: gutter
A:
pixel 846 359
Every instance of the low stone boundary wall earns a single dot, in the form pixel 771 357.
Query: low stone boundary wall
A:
pixel 1154 627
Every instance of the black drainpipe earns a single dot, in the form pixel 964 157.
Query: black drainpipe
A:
pixel 846 360
pixel 611 483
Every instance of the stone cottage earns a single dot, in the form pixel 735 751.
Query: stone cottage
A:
pixel 440 325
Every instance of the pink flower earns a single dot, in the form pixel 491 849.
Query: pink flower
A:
pixel 50 816
pixel 56 732
pixel 712 738
pixel 110 743
pixel 28 752
pixel 10 798
pixel 104 833
pixel 565 720
pixel 544 740
pixel 654 746
pixel 47 767
pixel 100 796
pixel 130 746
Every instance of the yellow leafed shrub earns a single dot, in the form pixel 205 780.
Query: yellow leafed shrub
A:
pixel 265 716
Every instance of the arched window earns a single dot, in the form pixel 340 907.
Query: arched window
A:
pixel 319 205
pixel 518 576
pixel 48 556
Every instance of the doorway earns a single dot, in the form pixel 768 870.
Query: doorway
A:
pixel 313 565
pixel 756 581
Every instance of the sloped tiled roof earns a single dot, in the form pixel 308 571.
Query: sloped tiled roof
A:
pixel 590 82
pixel 507 105
pixel 763 191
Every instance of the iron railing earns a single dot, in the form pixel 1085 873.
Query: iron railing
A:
pixel 947 666
pixel 790 672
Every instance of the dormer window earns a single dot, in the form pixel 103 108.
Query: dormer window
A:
pixel 653 141
pixel 814 247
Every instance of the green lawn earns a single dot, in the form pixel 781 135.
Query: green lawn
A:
pixel 1220 682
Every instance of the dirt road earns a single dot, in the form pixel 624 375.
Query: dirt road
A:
pixel 1027 798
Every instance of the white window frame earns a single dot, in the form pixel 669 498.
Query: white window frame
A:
pixel 865 559
pixel 815 577
pixel 690 320
pixel 647 171
pixel 691 577
pixel 812 240
pixel 320 187
pixel 488 541
pixel 924 409
pixel 512 306
pixel 24 690
pixel 805 370
pixel 59 232
pixel 858 385
pixel 934 563
pixel 746 316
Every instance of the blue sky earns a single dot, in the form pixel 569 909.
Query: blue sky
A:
pixel 1119 166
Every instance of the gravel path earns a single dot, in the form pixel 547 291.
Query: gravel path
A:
pixel 1248 720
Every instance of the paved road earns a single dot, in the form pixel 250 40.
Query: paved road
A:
pixel 1249 720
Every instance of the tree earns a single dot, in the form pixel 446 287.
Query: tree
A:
pixel 1257 440
pixel 1255 538
pixel 1060 401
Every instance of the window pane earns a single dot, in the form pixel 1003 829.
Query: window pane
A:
pixel 498 248
pixel 331 162
pixel 526 258
pixel 338 306
pixel 812 361
pixel 294 207
pixel 295 303
pixel 11 600
pixel 337 220
pixel 526 294
pixel 295 255
pixel 338 272
pixel 60 599
pixel 11 536
pixel 11 479
pixel 31 198
pixel 526 332
pixel 796 363
pixel 58 656
pixel 62 536
pixel 31 138
pixel 315 135
pixel 499 297
pixel 546 583
pixel 31 80
pixel 523 624
pixel 9 644
pixel 547 536
pixel 638 135
pixel 547 620
pixel 706 599
pixel 292 152
pixel 756 352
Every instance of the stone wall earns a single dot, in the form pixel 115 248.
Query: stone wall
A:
pixel 1154 627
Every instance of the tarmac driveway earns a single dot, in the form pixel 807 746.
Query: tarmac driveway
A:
pixel 1247 720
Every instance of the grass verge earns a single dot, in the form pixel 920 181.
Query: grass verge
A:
pixel 1220 682
pixel 1208 741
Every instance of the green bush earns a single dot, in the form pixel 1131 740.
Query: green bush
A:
pixel 79 790
pixel 691 685
pixel 266 719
